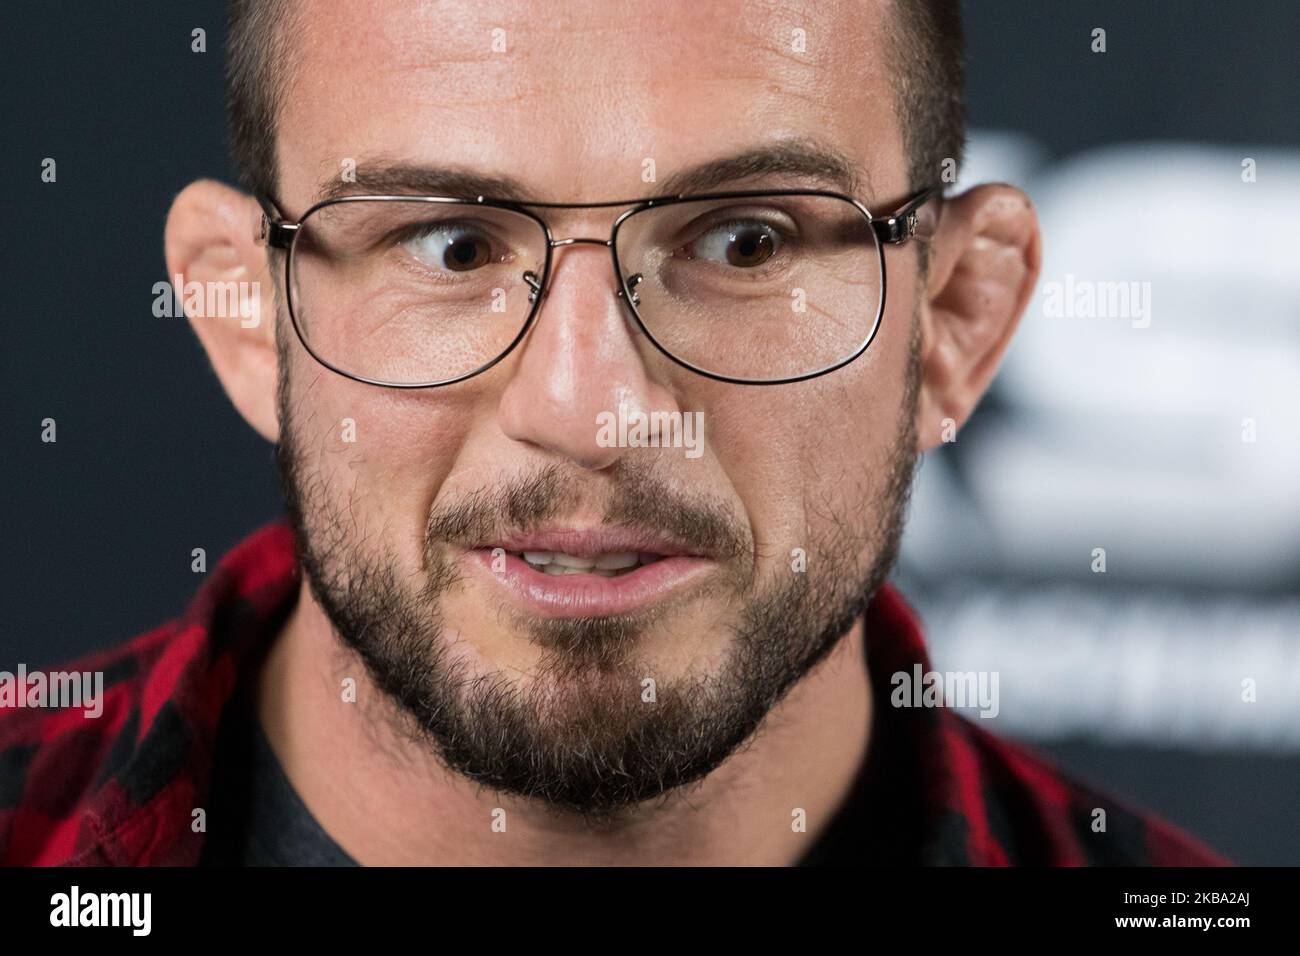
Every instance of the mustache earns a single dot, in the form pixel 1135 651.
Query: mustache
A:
pixel 636 499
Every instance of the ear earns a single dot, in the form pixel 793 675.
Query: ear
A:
pixel 984 262
pixel 224 281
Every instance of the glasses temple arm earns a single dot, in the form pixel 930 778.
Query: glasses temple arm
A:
pixel 900 226
pixel 272 229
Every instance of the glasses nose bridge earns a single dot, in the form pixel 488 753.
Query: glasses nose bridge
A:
pixel 542 287
pixel 573 240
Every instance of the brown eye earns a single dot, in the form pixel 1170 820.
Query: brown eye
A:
pixel 451 247
pixel 749 247
pixel 465 252
pixel 744 245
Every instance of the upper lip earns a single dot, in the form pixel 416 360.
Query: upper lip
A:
pixel 592 542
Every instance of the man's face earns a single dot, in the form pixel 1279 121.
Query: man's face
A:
pixel 592 691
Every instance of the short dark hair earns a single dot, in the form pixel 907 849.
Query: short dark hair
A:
pixel 930 86
pixel 928 50
pixel 256 78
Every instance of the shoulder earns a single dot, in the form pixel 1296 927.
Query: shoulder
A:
pixel 98 770
pixel 64 732
pixel 1033 813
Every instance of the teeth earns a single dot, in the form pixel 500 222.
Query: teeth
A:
pixel 607 565
pixel 557 570
pixel 569 561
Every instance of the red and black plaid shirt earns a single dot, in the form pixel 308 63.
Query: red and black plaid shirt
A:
pixel 121 789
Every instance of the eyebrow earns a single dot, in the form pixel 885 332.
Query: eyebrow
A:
pixel 803 158
pixel 807 159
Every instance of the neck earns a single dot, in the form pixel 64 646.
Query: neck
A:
pixel 388 801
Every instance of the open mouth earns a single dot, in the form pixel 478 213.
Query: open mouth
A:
pixel 612 564
pixel 588 573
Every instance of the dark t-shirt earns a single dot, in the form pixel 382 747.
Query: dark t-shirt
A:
pixel 258 819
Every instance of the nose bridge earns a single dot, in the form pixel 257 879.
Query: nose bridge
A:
pixel 541 289
pixel 578 363
pixel 580 215
pixel 573 241
pixel 544 288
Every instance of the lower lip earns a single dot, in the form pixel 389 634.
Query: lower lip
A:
pixel 591 595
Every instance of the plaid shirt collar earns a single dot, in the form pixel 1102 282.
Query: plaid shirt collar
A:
pixel 127 788
pixel 164 710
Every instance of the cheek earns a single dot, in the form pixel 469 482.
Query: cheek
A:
pixel 378 457
pixel 769 446
pixel 805 458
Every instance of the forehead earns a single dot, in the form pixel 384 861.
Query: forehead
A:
pixel 573 98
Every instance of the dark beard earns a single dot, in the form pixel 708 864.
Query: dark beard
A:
pixel 581 735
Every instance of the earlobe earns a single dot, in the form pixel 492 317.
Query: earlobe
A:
pixel 223 280
pixel 984 264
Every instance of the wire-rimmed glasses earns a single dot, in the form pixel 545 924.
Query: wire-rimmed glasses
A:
pixel 755 287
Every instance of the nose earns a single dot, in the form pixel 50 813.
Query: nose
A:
pixel 582 359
